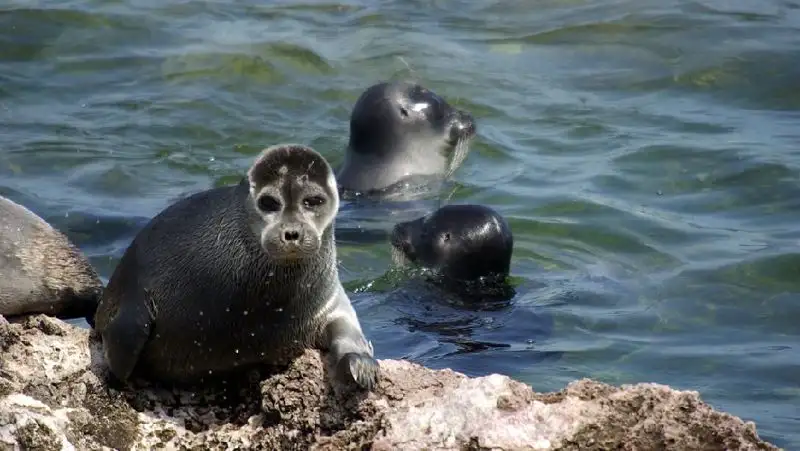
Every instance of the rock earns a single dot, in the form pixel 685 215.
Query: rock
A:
pixel 54 396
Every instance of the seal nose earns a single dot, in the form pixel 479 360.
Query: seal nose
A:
pixel 398 234
pixel 292 235
pixel 462 125
pixel 401 238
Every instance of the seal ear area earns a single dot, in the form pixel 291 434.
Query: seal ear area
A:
pixel 286 160
pixel 468 228
pixel 385 104
pixel 426 104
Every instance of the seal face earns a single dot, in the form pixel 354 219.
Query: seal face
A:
pixel 462 242
pixel 234 277
pixel 41 271
pixel 294 198
pixel 403 131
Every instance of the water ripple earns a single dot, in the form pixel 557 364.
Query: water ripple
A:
pixel 645 154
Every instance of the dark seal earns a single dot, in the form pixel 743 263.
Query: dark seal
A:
pixel 235 277
pixel 402 134
pixel 459 242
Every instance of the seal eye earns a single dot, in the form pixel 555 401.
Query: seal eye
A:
pixel 446 237
pixel 268 204
pixel 313 201
pixel 403 112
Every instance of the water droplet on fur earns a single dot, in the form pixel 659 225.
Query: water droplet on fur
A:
pixel 271 273
pixel 262 353
pixel 227 309
pixel 244 313
pixel 236 351
pixel 279 309
pixel 201 313
pixel 252 334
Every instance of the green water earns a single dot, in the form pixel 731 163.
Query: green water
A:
pixel 646 154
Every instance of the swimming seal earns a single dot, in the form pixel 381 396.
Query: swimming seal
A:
pixel 236 276
pixel 41 271
pixel 460 242
pixel 400 132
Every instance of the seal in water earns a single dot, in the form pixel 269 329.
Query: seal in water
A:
pixel 460 242
pixel 236 277
pixel 402 132
pixel 41 271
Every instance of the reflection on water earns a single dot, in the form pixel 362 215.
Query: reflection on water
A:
pixel 645 154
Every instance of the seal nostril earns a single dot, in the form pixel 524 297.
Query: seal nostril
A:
pixel 291 235
pixel 466 122
pixel 462 125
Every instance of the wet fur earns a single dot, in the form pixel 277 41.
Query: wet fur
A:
pixel 41 271
pixel 196 294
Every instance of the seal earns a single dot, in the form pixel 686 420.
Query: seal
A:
pixel 41 271
pixel 235 277
pixel 459 242
pixel 402 133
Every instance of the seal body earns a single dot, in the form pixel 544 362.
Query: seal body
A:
pixel 236 276
pixel 461 242
pixel 41 271
pixel 402 135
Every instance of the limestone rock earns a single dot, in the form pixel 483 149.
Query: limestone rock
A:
pixel 54 396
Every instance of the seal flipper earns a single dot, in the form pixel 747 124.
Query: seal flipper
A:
pixel 352 354
pixel 127 333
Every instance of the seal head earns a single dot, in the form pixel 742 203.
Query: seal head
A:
pixel 460 242
pixel 400 131
pixel 293 200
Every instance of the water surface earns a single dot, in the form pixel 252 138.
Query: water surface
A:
pixel 646 154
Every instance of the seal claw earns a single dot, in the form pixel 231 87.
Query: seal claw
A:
pixel 362 369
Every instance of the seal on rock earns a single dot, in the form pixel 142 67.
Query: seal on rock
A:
pixel 402 131
pixel 460 242
pixel 234 277
pixel 41 271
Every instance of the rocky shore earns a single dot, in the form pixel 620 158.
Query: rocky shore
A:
pixel 54 396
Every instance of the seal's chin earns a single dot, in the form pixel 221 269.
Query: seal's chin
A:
pixel 290 257
pixel 288 254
